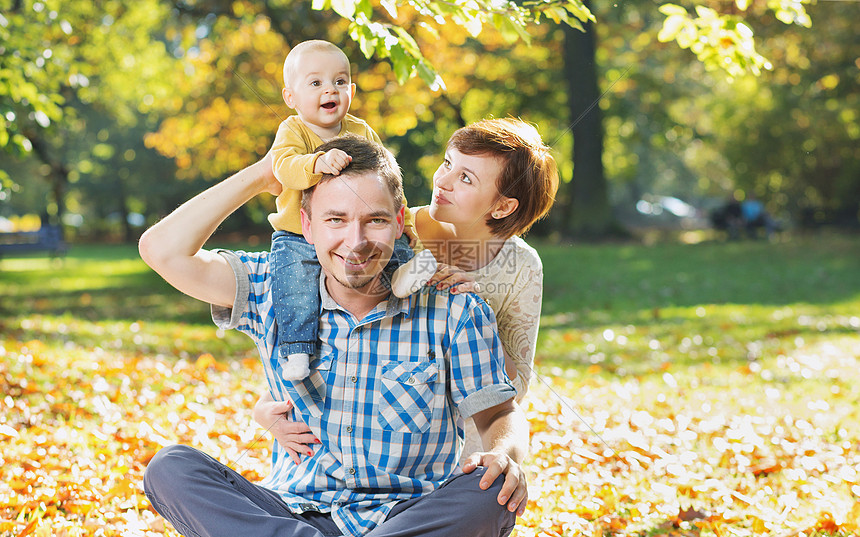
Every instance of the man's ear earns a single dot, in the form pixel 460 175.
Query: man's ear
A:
pixel 287 93
pixel 306 226
pixel 505 206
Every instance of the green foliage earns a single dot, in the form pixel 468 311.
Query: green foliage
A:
pixel 796 139
pixel 31 72
pixel 74 61
pixel 200 81
pixel 722 41
pixel 395 42
pixel 55 51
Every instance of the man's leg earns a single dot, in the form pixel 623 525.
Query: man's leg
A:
pixel 458 508
pixel 203 498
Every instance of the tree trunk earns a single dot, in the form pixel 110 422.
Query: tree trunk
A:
pixel 58 175
pixel 586 213
pixel 122 206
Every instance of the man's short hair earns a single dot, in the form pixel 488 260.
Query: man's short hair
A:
pixel 295 54
pixel 529 173
pixel 367 156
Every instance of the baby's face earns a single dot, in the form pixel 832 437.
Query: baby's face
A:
pixel 321 89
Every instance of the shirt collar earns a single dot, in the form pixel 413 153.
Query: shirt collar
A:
pixel 391 306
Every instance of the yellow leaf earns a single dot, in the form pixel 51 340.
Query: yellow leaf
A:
pixel 205 361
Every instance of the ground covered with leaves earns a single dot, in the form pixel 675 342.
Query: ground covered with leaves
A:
pixel 699 419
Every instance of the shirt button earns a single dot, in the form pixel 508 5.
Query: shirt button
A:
pixel 351 471
pixel 349 428
pixel 410 380
pixel 353 378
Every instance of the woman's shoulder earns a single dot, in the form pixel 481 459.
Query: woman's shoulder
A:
pixel 524 254
pixel 419 212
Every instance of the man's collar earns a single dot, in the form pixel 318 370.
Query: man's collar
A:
pixel 392 304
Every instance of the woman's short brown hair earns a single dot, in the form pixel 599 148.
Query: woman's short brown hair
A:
pixel 529 173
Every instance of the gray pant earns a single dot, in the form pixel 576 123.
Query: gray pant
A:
pixel 203 498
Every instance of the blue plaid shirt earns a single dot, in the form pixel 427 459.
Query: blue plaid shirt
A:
pixel 387 394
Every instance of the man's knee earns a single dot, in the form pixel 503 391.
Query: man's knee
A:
pixel 484 504
pixel 167 467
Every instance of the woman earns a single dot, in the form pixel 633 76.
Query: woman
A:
pixel 496 180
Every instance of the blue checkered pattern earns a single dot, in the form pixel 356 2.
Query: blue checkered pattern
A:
pixel 387 395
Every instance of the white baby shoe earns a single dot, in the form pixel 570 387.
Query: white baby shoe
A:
pixel 296 367
pixel 411 276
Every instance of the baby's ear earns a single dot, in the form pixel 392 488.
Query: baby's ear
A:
pixel 287 93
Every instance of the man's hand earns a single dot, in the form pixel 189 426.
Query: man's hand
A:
pixel 273 186
pixel 293 436
pixel 332 162
pixel 515 489
pixel 505 437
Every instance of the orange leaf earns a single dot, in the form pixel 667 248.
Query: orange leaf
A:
pixel 28 529
pixel 826 523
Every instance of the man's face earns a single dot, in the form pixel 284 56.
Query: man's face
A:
pixel 352 225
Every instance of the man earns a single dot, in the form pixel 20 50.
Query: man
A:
pixel 389 388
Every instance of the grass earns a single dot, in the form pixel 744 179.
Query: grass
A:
pixel 707 389
pixel 690 304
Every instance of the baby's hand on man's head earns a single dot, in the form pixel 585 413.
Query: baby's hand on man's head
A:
pixel 332 162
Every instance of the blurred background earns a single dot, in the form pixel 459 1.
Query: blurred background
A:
pixel 114 112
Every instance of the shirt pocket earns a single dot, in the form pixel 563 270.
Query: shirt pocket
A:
pixel 311 391
pixel 406 396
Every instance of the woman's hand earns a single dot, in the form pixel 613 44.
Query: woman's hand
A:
pixel 455 280
pixel 293 436
pixel 515 492
pixel 411 234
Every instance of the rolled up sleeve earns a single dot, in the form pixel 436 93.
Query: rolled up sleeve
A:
pixel 477 362
pixel 229 318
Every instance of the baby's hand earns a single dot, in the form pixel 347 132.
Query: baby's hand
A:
pixel 332 162
pixel 452 278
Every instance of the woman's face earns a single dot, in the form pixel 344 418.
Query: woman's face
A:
pixel 464 188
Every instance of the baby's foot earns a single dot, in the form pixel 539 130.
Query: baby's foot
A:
pixel 412 275
pixel 296 367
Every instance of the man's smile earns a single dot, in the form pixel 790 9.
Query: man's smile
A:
pixel 353 261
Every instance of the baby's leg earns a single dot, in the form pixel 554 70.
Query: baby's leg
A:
pixel 295 296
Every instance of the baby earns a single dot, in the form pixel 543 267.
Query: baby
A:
pixel 318 86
